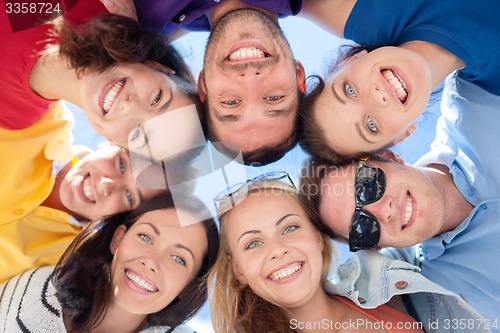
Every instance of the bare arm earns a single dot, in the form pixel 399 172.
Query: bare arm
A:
pixel 121 7
pixel 331 15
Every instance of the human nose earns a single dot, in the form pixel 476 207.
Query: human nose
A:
pixel 107 185
pixel 149 264
pixel 251 75
pixel 383 209
pixel 378 96
pixel 277 249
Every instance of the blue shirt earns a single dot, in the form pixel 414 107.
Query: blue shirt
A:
pixel 466 259
pixel 468 29
pixel 167 15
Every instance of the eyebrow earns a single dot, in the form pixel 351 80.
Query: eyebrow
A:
pixel 360 132
pixel 227 118
pixel 278 113
pixel 254 231
pixel 337 96
pixel 155 229
pixel 178 245
pixel 165 106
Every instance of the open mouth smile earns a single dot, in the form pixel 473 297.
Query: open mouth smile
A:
pixel 111 95
pixel 399 85
pixel 286 272
pixel 408 212
pixel 87 189
pixel 140 282
pixel 247 53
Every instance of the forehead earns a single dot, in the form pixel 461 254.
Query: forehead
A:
pixel 262 206
pixel 166 221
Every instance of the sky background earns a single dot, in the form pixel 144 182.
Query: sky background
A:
pixel 313 47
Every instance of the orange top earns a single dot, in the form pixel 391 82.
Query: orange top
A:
pixel 390 319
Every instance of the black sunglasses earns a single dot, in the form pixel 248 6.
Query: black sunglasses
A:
pixel 369 187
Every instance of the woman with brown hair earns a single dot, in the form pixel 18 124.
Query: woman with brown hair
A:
pixel 120 74
pixel 138 271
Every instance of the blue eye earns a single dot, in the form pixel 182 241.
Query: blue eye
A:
pixel 130 198
pixel 179 260
pixel 348 90
pixel 252 245
pixel 121 165
pixel 146 238
pixel 290 228
pixel 370 124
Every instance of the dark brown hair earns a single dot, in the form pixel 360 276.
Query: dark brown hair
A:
pixel 82 276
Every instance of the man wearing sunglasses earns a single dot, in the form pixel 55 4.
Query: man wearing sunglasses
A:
pixel 448 203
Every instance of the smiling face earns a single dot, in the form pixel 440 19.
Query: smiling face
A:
pixel 373 100
pixel 154 260
pixel 102 183
pixel 251 81
pixel 411 210
pixel 117 101
pixel 275 249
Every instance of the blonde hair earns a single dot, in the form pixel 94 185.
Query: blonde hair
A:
pixel 235 307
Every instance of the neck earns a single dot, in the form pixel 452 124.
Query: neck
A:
pixel 120 321
pixel 441 62
pixel 229 5
pixel 456 206
pixel 52 79
pixel 116 322
pixel 318 309
pixel 54 198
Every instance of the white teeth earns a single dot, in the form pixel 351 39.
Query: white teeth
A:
pixel 87 191
pixel 245 53
pixel 400 86
pixel 408 211
pixel 140 282
pixel 286 272
pixel 110 96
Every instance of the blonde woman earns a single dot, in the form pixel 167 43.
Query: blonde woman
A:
pixel 272 265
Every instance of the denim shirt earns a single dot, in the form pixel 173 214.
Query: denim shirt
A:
pixel 370 279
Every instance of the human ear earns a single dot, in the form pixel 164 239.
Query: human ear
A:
pixel 409 131
pixel 237 272
pixel 117 238
pixel 301 76
pixel 390 155
pixel 202 87
pixel 353 57
pixel 320 241
pixel 159 67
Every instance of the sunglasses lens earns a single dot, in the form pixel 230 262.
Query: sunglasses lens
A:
pixel 364 233
pixel 370 184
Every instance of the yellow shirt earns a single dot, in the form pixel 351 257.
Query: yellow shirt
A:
pixel 31 235
pixel 37 239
